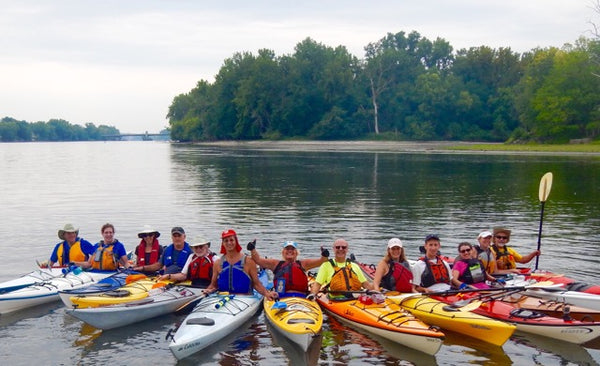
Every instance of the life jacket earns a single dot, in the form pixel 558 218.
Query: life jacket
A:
pixel 233 279
pixel 290 276
pixel 67 254
pixel 140 252
pixel 181 259
pixel 200 270
pixel 344 278
pixel 104 258
pixel 434 273
pixel 475 272
pixel 398 277
pixel 504 260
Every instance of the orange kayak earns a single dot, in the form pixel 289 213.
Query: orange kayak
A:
pixel 387 320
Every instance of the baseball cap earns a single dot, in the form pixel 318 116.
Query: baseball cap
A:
pixel 290 243
pixel 432 236
pixel 484 234
pixel 177 229
pixel 394 242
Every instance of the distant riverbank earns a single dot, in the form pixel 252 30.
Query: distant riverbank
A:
pixel 447 147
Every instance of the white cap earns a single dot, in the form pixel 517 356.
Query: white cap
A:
pixel 394 242
pixel 484 234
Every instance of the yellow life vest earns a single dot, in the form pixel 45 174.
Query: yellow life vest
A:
pixel 104 258
pixel 75 253
pixel 344 278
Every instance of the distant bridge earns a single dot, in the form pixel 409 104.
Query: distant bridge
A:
pixel 145 136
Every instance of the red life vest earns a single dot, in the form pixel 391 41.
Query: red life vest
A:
pixel 398 278
pixel 293 276
pixel 200 270
pixel 434 272
pixel 141 253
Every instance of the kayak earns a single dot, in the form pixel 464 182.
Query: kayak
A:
pixel 164 301
pixel 110 283
pixel 36 276
pixel 131 292
pixel 586 300
pixel 215 316
pixel 438 313
pixel 567 282
pixel 296 317
pixel 529 321
pixel 559 309
pixel 387 320
pixel 47 291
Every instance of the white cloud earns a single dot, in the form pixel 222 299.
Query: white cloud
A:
pixel 121 63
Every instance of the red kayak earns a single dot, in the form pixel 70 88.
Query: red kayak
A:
pixel 569 284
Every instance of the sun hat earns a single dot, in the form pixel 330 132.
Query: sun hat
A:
pixel 394 242
pixel 228 233
pixel 69 228
pixel 484 234
pixel 148 230
pixel 199 241
pixel 501 230
pixel 290 243
pixel 177 229
pixel 432 236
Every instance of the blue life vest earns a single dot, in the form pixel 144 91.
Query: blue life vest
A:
pixel 233 279
pixel 180 261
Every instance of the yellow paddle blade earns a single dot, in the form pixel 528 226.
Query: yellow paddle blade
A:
pixel 545 186
pixel 471 306
pixel 543 284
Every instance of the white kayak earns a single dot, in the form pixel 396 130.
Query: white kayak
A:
pixel 47 291
pixel 212 319
pixel 161 301
pixel 36 276
pixel 583 299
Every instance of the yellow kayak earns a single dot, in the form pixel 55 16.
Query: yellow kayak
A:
pixel 297 318
pixel 437 313
pixel 131 292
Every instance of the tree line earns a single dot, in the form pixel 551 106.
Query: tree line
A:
pixel 12 130
pixel 406 87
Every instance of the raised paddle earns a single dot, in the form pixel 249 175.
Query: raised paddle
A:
pixel 545 187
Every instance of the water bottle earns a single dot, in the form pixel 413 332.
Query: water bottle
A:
pixel 280 286
pixel 223 301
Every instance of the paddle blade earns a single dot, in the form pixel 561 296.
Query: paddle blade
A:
pixel 279 305
pixel 545 186
pixel 471 306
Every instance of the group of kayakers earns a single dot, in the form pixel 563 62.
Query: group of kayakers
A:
pixel 338 277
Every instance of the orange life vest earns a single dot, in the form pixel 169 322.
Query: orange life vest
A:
pixel 344 278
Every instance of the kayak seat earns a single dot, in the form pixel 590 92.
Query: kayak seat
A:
pixel 450 308
pixel 301 321
pixel 201 321
pixel 117 293
pixel 526 314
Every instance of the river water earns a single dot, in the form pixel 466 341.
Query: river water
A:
pixel 274 194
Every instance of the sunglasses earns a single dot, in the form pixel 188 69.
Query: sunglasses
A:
pixel 465 250
pixel 340 247
pixel 147 235
pixel 176 234
pixel 501 237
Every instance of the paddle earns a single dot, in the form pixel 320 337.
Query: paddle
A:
pixel 468 307
pixel 190 304
pixel 478 301
pixel 545 186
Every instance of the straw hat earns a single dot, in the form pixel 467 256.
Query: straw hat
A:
pixel 149 230
pixel 69 228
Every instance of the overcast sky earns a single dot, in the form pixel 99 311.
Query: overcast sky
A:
pixel 121 63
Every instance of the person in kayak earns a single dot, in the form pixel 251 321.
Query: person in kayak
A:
pixel 483 251
pixel 289 273
pixel 149 250
pixel 431 273
pixel 469 271
pixel 339 275
pixel 393 272
pixel 72 250
pixel 199 266
pixel 506 257
pixel 236 272
pixel 109 252
pixel 174 256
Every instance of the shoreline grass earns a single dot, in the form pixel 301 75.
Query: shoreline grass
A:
pixel 575 148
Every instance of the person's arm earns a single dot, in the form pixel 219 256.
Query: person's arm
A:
pixel 268 263
pixel 217 266
pixel 527 258
pixel 250 269
pixel 366 284
pixel 382 268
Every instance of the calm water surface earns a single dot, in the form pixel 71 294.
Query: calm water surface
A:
pixel 308 196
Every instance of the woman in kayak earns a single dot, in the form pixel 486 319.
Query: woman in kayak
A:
pixel 236 272
pixel 469 271
pixel 483 251
pixel 290 273
pixel 199 266
pixel 149 250
pixel 393 271
pixel 109 252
